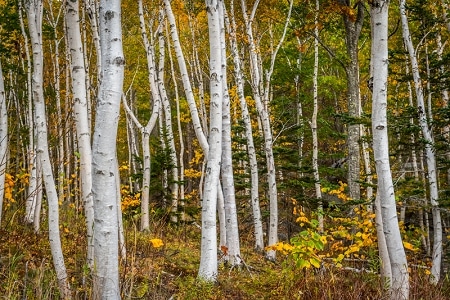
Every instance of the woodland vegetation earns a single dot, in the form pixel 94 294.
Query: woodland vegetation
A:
pixel 224 149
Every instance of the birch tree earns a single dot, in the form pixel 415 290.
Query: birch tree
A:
pixel 33 189
pixel 81 117
pixel 3 139
pixel 399 287
pixel 261 86
pixel 254 189
pixel 232 241
pixel 315 147
pixel 104 162
pixel 429 153
pixel 34 15
pixel 208 258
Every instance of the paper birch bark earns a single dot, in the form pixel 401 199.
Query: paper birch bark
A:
pixel 261 83
pixel 168 128
pixel 179 128
pixel 399 287
pixel 79 91
pixel 33 188
pixel 104 161
pixel 239 78
pixel 3 140
pixel 34 15
pixel 199 131
pixel 232 242
pixel 315 146
pixel 208 257
pixel 429 153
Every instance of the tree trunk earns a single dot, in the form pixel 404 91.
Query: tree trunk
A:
pixel 353 29
pixel 399 288
pixel 429 153
pixel 104 168
pixel 254 190
pixel 208 258
pixel 315 146
pixel 34 16
pixel 79 91
pixel 3 140
pixel 234 251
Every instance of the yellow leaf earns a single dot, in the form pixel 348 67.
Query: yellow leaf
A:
pixel 157 243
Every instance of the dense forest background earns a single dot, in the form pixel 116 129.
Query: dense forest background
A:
pixel 296 208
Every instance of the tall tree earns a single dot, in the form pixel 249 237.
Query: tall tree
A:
pixel 399 287
pixel 3 139
pixel 104 162
pixel 429 152
pixel 232 241
pixel 208 259
pixel 34 9
pixel 353 22
pixel 79 91
pixel 254 189
pixel 315 146
pixel 261 86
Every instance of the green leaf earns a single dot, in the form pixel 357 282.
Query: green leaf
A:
pixel 315 262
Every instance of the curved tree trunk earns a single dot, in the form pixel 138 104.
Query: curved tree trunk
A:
pixel 429 153
pixel 34 16
pixel 79 91
pixel 399 287
pixel 3 140
pixel 254 190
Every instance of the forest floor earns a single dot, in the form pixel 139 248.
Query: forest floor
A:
pixel 169 271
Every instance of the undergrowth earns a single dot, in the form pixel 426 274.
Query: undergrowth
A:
pixel 169 270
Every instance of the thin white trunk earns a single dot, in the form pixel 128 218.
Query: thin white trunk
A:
pixel 234 251
pixel 32 191
pixel 104 161
pixel 399 288
pixel 385 262
pixel 185 78
pixel 208 258
pixel 254 191
pixel 145 131
pixel 174 180
pixel 315 146
pixel 34 15
pixel 261 95
pixel 79 91
pixel 3 140
pixel 430 155
pixel 180 131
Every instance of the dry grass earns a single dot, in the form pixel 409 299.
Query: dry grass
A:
pixel 26 271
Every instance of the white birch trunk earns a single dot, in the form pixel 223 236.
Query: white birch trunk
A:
pixel 185 78
pixel 34 15
pixel 32 190
pixel 208 258
pixel 261 96
pixel 104 164
pixel 180 132
pixel 145 131
pixel 430 156
pixel 168 124
pixel 79 91
pixel 385 262
pixel 254 190
pixel 399 288
pixel 234 251
pixel 315 146
pixel 3 140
